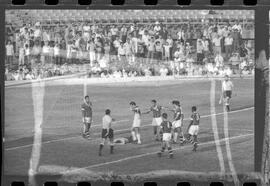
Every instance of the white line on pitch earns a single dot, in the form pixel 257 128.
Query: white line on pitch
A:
pixel 119 121
pixel 68 138
pixel 151 153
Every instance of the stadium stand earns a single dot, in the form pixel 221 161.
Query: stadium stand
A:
pixel 120 43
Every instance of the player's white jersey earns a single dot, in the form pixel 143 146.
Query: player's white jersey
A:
pixel 227 85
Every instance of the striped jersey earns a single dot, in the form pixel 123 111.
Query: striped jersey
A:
pixel 166 126
pixel 137 112
pixel 195 118
pixel 87 109
pixel 156 111
pixel 177 113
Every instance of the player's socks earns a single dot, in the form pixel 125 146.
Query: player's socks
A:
pixel 139 138
pixel 195 147
pixel 170 152
pixel 100 149
pixel 111 149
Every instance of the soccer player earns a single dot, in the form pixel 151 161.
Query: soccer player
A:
pixel 193 128
pixel 107 131
pixel 86 116
pixel 157 119
pixel 135 130
pixel 166 127
pixel 178 122
pixel 227 87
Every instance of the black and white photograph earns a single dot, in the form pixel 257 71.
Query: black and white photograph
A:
pixel 102 94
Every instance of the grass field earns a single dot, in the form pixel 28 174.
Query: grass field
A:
pixel 64 149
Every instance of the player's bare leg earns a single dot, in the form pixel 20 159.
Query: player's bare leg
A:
pixel 158 137
pixel 86 128
pixel 175 135
pixel 163 146
pixel 101 146
pixel 138 135
pixel 181 135
pixel 155 132
pixel 169 149
pixel 227 103
pixel 111 146
pixel 133 134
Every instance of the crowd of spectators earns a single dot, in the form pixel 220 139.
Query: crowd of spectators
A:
pixel 121 50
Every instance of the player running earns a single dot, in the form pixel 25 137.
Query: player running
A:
pixel 177 122
pixel 107 131
pixel 157 119
pixel 193 128
pixel 227 87
pixel 135 130
pixel 86 108
pixel 167 130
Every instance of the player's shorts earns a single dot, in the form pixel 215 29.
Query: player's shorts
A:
pixel 104 132
pixel 228 93
pixel 136 123
pixel 157 121
pixel 177 123
pixel 87 119
pixel 166 136
pixel 193 130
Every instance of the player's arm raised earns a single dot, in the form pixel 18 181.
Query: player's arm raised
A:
pixel 147 112
pixel 167 108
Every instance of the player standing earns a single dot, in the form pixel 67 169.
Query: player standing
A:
pixel 193 128
pixel 227 87
pixel 166 128
pixel 157 119
pixel 107 131
pixel 178 122
pixel 86 116
pixel 135 130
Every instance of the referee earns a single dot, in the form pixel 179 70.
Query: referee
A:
pixel 227 87
pixel 107 131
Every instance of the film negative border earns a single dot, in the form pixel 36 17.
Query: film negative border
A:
pixel 261 91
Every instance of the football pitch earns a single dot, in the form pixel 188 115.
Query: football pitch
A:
pixel 64 150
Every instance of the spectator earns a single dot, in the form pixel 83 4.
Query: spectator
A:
pixel 200 48
pixel 9 53
pixel 219 60
pixel 217 44
pixel 228 46
pixel 235 61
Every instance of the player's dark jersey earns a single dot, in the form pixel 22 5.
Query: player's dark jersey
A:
pixel 137 110
pixel 87 109
pixel 177 113
pixel 195 118
pixel 166 126
pixel 156 111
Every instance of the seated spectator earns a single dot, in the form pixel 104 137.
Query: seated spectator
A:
pixel 219 60
pixel 245 71
pixel 163 71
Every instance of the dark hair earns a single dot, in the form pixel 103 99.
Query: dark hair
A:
pixel 132 103
pixel 154 101
pixel 86 96
pixel 175 102
pixel 107 111
pixel 194 108
pixel 165 115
